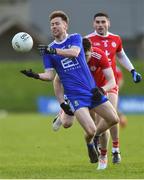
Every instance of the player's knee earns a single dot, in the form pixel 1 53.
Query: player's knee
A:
pixel 67 124
pixel 91 131
pixel 115 119
pixel 104 134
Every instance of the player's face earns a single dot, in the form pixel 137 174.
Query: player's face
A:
pixel 58 28
pixel 101 24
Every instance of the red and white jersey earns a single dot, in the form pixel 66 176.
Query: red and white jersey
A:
pixel 97 63
pixel 110 44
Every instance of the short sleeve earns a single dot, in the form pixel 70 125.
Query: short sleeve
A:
pixel 100 58
pixel 47 61
pixel 76 40
pixel 119 45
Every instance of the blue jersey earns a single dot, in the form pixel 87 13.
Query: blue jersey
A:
pixel 74 73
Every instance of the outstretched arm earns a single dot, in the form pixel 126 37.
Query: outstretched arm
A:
pixel 48 75
pixel 125 62
pixel 70 52
pixel 73 51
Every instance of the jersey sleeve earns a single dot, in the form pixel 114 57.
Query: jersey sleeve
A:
pixel 120 45
pixel 76 40
pixel 47 61
pixel 102 59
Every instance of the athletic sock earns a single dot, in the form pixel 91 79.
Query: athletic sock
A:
pixel 116 143
pixel 115 147
pixel 103 152
pixel 90 145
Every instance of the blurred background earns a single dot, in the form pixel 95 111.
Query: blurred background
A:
pixel 20 94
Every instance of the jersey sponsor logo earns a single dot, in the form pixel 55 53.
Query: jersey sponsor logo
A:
pixel 96 44
pixel 96 55
pixel 70 64
pixel 113 44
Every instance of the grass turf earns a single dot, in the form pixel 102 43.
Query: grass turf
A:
pixel 30 149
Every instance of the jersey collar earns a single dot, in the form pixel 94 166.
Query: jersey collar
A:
pixel 60 42
pixel 101 35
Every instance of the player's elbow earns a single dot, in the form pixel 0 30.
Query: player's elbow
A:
pixel 76 54
pixel 46 76
pixel 113 83
pixel 50 78
pixel 49 75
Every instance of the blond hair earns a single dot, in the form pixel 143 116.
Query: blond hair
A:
pixel 60 14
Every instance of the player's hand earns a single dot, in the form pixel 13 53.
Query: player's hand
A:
pixel 46 50
pixel 98 93
pixel 66 108
pixel 136 76
pixel 30 73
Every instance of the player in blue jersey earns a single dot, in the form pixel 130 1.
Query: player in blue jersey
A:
pixel 66 55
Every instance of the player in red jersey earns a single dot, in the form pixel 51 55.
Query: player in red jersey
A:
pixel 98 63
pixel 111 44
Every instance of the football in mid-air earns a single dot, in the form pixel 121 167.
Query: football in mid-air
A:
pixel 22 42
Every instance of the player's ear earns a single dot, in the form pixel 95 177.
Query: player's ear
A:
pixel 66 25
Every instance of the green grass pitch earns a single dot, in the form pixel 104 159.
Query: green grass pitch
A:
pixel 30 149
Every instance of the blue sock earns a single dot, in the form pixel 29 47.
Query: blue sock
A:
pixel 90 145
